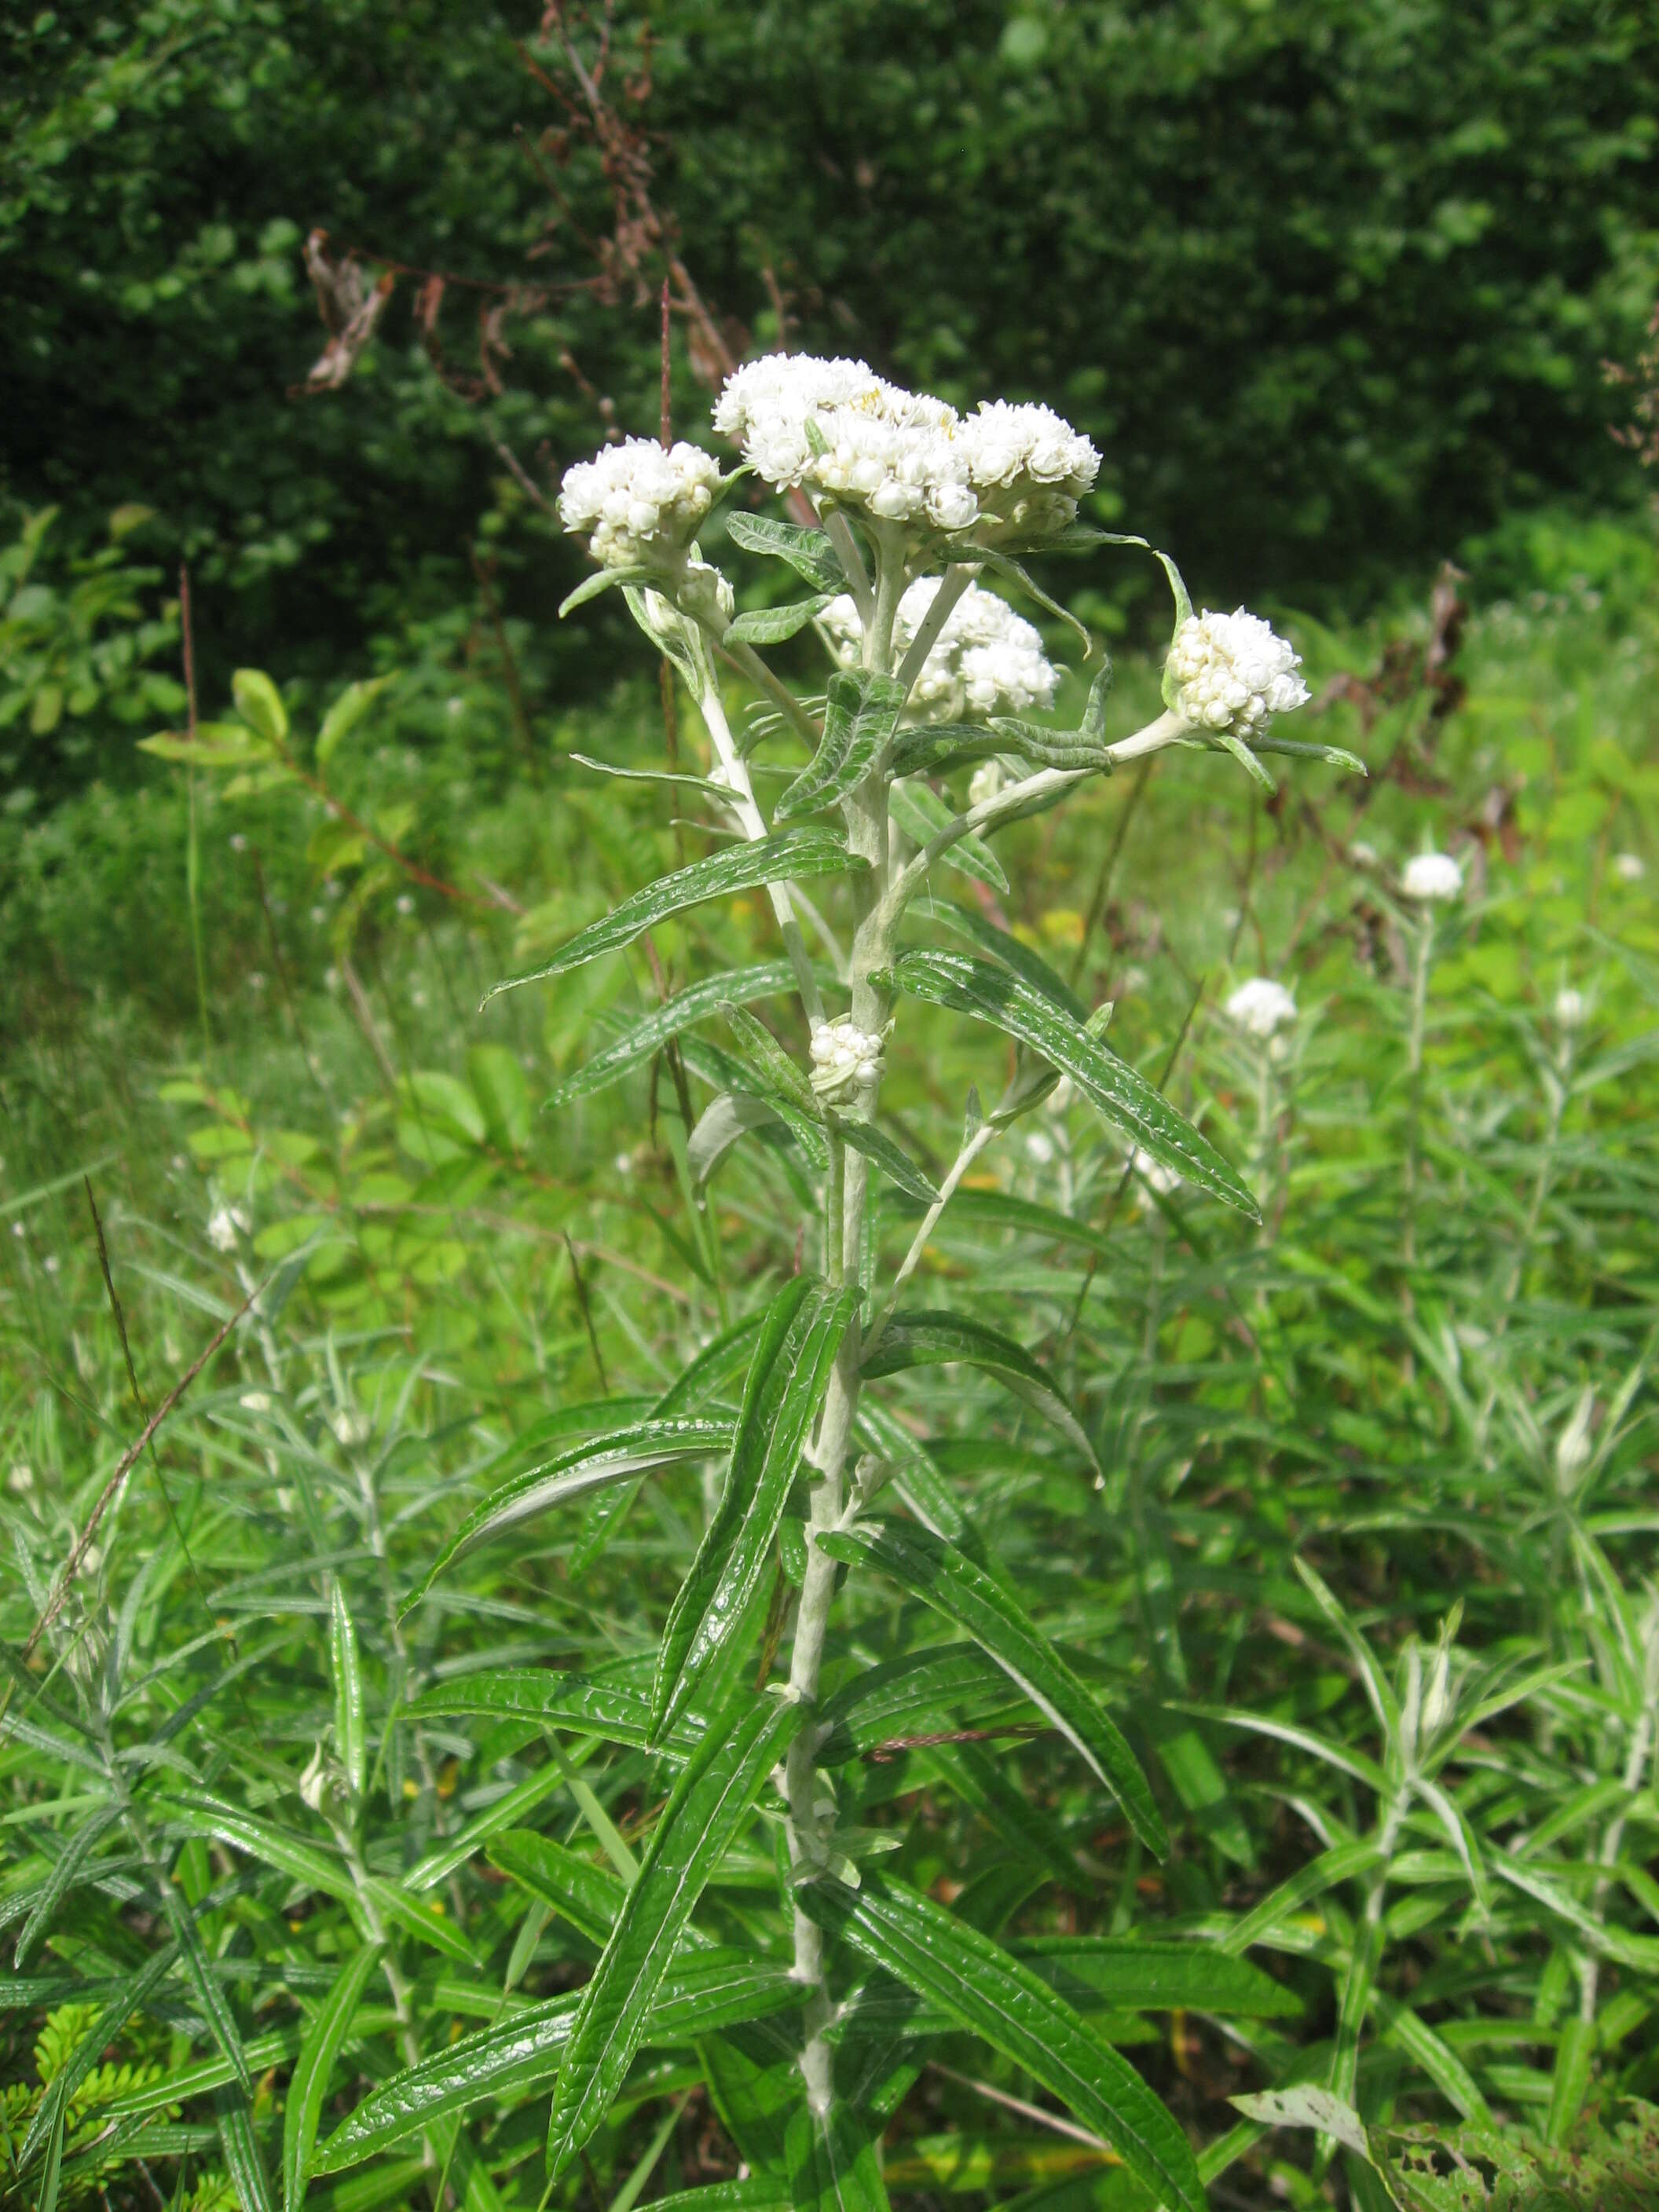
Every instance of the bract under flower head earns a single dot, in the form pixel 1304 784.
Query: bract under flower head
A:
pixel 986 659
pixel 639 505
pixel 1434 876
pixel 838 428
pixel 1261 1006
pixel 1233 672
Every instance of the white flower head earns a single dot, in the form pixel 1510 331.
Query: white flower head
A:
pixel 1233 672
pixel 1570 1009
pixel 1362 854
pixel 637 503
pixel 350 1427
pixel 19 1480
pixel 1028 467
pixel 226 1225
pixel 841 430
pixel 1629 867
pixel 845 1058
pixel 1432 877
pixel 986 659
pixel 255 1401
pixel 1153 1173
pixel 1261 1006
pixel 987 780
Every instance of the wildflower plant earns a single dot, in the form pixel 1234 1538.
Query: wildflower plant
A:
pixel 923 749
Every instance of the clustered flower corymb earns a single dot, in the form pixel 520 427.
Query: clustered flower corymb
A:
pixel 846 1059
pixel 1233 672
pixel 840 432
pixel 639 504
pixel 986 659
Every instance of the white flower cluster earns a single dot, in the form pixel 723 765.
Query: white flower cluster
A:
pixel 637 502
pixel 989 780
pixel 841 430
pixel 986 659
pixel 1571 1009
pixel 1233 671
pixel 845 1058
pixel 226 1225
pixel 1261 1006
pixel 1432 876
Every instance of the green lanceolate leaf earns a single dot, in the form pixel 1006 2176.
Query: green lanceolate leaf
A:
pixel 772 625
pixel 1110 1084
pixel 309 2083
pixel 605 580
pixel 802 854
pixel 808 552
pixel 861 710
pixel 949 1686
pixel 789 1373
pixel 936 1339
pixel 833 2162
pixel 1003 566
pixel 709 1805
pixel 198 1971
pixel 70 1863
pixel 244 2160
pixel 895 1163
pixel 945 1578
pixel 608 1710
pixel 636 1450
pixel 666 1022
pixel 995 1997
pixel 128 1997
pixel 1131 1975
pixel 733 1115
pixel 589 1897
pixel 936 748
pixel 1006 948
pixel 350 1740
pixel 1025 1217
pixel 1296 749
pixel 922 814
pixel 759 2193
pixel 713 1988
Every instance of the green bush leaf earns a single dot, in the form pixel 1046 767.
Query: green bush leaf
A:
pixel 808 552
pixel 861 710
pixel 772 625
pixel 260 704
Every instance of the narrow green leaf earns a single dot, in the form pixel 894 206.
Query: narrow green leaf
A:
pixel 1110 1084
pixel 608 1710
pixel 895 1163
pixel 1025 1217
pixel 861 711
pixel 772 625
pixel 589 1898
pixel 808 552
pixel 944 1577
pixel 947 1685
pixel 937 748
pixel 994 1995
pixel 789 1373
pixel 663 1023
pixel 922 814
pixel 637 1448
pixel 802 854
pixel 938 1338
pixel 833 2161
pixel 1135 1974
pixel 1002 565
pixel 1341 1864
pixel 761 2192
pixel 709 1804
pixel 527 2050
pixel 1007 950
pixel 309 2083
pixel 66 1871
pixel 604 580
pixel 504 1811
pixel 244 2160
pixel 349 1738
pixel 129 1997
pixel 732 1115
pixel 215 2008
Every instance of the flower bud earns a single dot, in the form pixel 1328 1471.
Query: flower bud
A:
pixel 1432 877
pixel 846 1059
pixel 638 505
